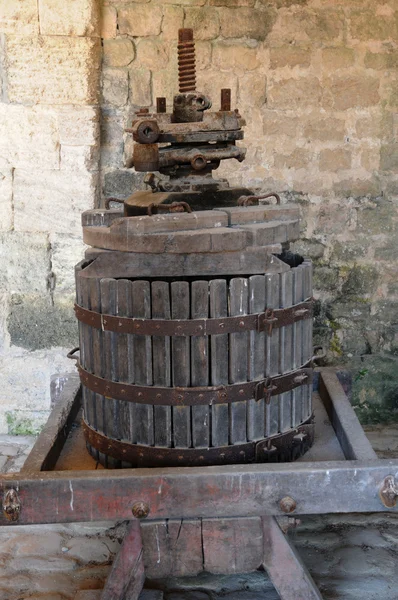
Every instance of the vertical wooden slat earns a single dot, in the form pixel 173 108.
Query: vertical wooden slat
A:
pixel 238 358
pixel 161 358
pixel 219 362
pixel 200 364
pixel 96 360
pixel 272 354
pixel 307 338
pixel 124 309
pixel 109 364
pixel 143 425
pixel 286 351
pixel 255 409
pixel 297 394
pixel 181 364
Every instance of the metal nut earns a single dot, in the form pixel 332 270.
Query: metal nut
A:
pixel 287 505
pixel 11 505
pixel 389 492
pixel 140 510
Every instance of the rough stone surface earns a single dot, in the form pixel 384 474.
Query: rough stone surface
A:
pixel 19 16
pixel 52 69
pixel 75 18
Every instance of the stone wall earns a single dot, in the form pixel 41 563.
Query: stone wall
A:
pixel 317 82
pixel 50 55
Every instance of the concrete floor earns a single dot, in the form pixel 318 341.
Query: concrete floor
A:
pixel 351 557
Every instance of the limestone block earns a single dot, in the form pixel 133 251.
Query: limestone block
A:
pixel 53 70
pixel 231 3
pixel 83 158
pixel 366 25
pixel 25 261
pixel 52 200
pixel 334 160
pixel 370 158
pixel 115 87
pixel 4 337
pixel 232 56
pixel 19 16
pixel 35 322
pixel 29 135
pixel 337 58
pixel 381 60
pixel 72 18
pixel 298 159
pixel 306 25
pixel 108 22
pixel 203 55
pixel 6 216
pixel 164 82
pixel 153 53
pixel 118 53
pixel 252 90
pixel 246 22
pixel 140 87
pixel 173 20
pixel 66 252
pixel 352 91
pixel 290 56
pixel 78 126
pixel 324 129
pixel 140 20
pixel 293 93
pixel 280 123
pixel 211 81
pixel 204 21
pixel 181 2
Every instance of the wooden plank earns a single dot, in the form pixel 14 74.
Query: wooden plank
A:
pixel 297 394
pixel 219 362
pixel 232 545
pixel 95 402
pixel 109 365
pixel 349 432
pixel 307 337
pixel 272 345
pixel 286 351
pixel 200 364
pixel 127 575
pixel 256 366
pixel 49 444
pixel 224 491
pixel 121 264
pixel 284 565
pixel 124 308
pixel 161 357
pixel 238 358
pixel 143 426
pixel 180 309
pixel 172 547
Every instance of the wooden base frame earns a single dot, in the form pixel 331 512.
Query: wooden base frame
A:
pixel 341 473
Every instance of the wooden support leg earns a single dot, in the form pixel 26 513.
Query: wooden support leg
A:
pixel 289 575
pixel 127 575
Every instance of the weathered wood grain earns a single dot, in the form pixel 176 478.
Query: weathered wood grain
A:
pixel 219 362
pixel 256 366
pixel 272 354
pixel 200 364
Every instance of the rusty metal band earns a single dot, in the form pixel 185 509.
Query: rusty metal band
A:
pixel 193 396
pixel 265 321
pixel 283 447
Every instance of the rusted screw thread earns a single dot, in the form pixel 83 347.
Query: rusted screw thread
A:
pixel 186 61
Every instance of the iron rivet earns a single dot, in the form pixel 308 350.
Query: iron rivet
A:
pixel 11 505
pixel 179 327
pixel 104 321
pixel 140 510
pixel 120 323
pixel 200 395
pixel 287 505
pixel 221 325
pixel 241 323
pixel 241 392
pixel 157 326
pixel 158 396
pixel 180 397
pixel 123 391
pixel 139 394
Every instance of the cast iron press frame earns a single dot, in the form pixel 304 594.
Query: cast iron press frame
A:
pixel 361 483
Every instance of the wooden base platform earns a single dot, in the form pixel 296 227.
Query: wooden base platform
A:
pixel 228 519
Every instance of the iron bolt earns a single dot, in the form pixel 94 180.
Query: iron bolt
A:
pixel 389 492
pixel 11 505
pixel 287 504
pixel 140 510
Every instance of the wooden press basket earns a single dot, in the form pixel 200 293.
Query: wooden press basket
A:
pixel 198 369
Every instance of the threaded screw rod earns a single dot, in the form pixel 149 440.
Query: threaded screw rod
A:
pixel 186 61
